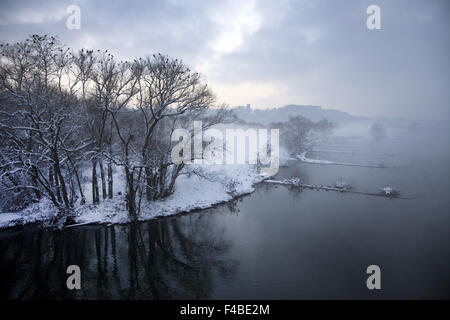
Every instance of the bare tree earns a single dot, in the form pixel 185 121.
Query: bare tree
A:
pixel 39 124
pixel 62 112
pixel 295 133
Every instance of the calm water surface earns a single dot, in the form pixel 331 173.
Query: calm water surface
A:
pixel 276 243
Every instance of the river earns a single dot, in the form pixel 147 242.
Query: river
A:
pixel 276 243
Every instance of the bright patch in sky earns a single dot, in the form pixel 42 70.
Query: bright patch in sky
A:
pixel 236 20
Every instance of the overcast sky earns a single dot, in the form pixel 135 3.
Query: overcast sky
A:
pixel 272 53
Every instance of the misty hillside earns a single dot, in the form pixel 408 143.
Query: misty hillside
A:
pixel 314 113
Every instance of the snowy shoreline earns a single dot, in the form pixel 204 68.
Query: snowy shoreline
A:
pixel 200 188
pixel 302 157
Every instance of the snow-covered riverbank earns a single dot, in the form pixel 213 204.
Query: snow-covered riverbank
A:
pixel 199 187
pixel 302 157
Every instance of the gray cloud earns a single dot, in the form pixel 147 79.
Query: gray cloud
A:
pixel 270 53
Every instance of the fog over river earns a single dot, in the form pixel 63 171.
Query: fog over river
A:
pixel 278 242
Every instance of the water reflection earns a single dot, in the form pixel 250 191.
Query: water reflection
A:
pixel 161 259
pixel 278 242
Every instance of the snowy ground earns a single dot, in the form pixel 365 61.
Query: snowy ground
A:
pixel 302 157
pixel 198 188
pixel 43 211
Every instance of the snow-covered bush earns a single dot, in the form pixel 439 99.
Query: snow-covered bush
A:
pixel 390 191
pixel 343 184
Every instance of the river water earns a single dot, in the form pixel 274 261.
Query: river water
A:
pixel 276 243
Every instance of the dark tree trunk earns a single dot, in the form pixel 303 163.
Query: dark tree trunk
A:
pixel 50 176
pixel 110 180
pixel 95 193
pixel 83 198
pixel 174 177
pixel 72 193
pixel 148 183
pixel 58 193
pixel 131 195
pixel 37 193
pixel 102 177
pixel 61 182
pixel 34 180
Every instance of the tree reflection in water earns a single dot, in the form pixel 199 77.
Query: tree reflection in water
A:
pixel 170 258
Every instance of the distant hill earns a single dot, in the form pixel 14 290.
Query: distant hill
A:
pixel 314 113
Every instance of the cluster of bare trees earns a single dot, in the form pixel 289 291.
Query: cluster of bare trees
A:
pixel 296 132
pixel 378 131
pixel 64 112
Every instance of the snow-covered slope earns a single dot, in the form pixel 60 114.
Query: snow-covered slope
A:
pixel 199 187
